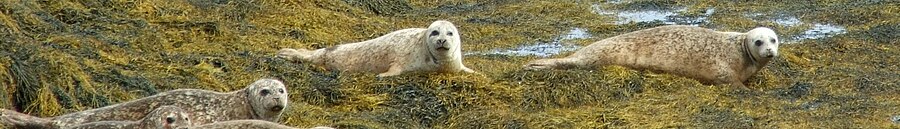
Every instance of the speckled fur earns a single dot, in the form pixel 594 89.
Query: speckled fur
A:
pixel 13 119
pixel 203 105
pixel 157 119
pixel 243 124
pixel 709 56
pixel 402 51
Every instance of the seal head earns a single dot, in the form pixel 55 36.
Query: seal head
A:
pixel 443 41
pixel 268 98
pixel 761 44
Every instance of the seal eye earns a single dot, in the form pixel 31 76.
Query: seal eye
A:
pixel 281 91
pixel 170 120
pixel 773 41
pixel 450 33
pixel 265 92
pixel 434 33
pixel 758 43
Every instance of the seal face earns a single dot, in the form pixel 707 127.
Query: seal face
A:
pixel 443 40
pixel 164 117
pixel 433 49
pixel 762 43
pixel 264 99
pixel 709 56
pixel 268 98
pixel 167 117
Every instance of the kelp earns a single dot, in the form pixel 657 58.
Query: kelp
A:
pixel 64 56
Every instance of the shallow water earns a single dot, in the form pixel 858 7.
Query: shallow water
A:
pixel 543 49
pixel 670 16
pixel 819 31
pixel 896 119
pixel 815 31
pixel 788 21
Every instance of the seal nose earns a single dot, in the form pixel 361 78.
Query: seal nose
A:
pixel 441 42
pixel 277 108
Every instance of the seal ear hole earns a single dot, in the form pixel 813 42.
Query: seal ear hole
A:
pixel 265 92
pixel 759 43
pixel 434 33
pixel 170 120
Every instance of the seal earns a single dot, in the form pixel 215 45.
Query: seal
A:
pixel 164 117
pixel 433 49
pixel 13 119
pixel 264 99
pixel 243 124
pixel 711 57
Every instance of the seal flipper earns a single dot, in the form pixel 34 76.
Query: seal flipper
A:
pixel 558 63
pixel 18 120
pixel 293 54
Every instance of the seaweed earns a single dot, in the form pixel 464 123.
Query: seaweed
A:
pixel 64 56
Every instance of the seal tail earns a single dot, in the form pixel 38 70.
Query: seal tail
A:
pixel 558 63
pixel 13 119
pixel 294 54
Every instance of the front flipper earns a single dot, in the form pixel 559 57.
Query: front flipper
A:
pixel 468 70
pixel 10 118
pixel 295 54
pixel 394 70
pixel 558 63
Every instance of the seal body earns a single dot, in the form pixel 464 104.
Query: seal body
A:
pixel 709 56
pixel 13 119
pixel 243 124
pixel 264 99
pixel 164 117
pixel 433 49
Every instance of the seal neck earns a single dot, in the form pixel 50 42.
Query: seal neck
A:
pixel 245 94
pixel 432 56
pixel 424 42
pixel 747 51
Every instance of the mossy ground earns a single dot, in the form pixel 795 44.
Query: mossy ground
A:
pixel 64 56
